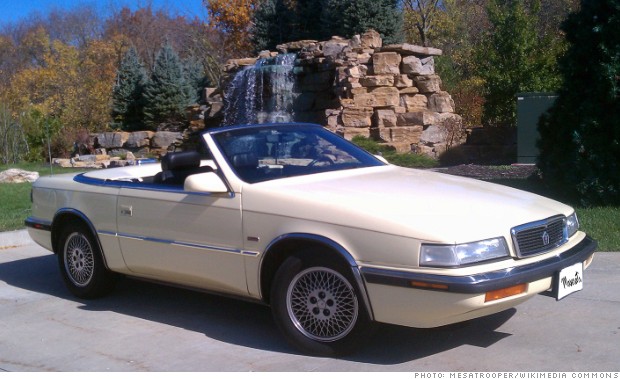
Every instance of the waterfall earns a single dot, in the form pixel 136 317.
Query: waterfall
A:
pixel 262 93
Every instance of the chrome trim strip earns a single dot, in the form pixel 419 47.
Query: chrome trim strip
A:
pixel 178 243
pixel 487 281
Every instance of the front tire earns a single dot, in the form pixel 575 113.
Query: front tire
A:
pixel 316 306
pixel 81 263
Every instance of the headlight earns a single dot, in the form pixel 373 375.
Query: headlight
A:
pixel 572 224
pixel 463 254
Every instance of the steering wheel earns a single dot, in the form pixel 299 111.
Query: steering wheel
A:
pixel 323 160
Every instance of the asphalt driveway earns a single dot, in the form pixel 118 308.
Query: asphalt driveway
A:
pixel 148 327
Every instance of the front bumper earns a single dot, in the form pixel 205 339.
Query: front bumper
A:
pixel 395 300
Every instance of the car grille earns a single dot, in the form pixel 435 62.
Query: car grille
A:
pixel 540 236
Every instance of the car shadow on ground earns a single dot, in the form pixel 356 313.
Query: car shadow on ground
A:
pixel 243 323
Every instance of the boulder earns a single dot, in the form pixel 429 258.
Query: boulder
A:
pixel 349 133
pixel 378 97
pixel 418 66
pixel 295 46
pixel 334 47
pixel 407 49
pixel 377 81
pixel 161 140
pixel 403 81
pixel 415 102
pixel 371 40
pixel 409 134
pixel 139 139
pixel 357 117
pixel 411 65
pixel 400 134
pixel 15 175
pixel 384 118
pixel 433 134
pixel 423 117
pixel 386 63
pixel 428 83
pixel 441 102
pixel 111 140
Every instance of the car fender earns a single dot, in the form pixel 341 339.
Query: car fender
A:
pixel 276 252
pixel 73 214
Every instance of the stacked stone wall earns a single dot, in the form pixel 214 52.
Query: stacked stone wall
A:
pixel 110 149
pixel 359 87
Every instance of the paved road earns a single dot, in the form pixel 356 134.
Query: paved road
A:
pixel 147 327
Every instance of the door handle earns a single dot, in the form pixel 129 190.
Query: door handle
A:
pixel 126 210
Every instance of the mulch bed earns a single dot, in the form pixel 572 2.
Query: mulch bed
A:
pixel 490 172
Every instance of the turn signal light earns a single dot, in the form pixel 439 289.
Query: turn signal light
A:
pixel 433 286
pixel 505 292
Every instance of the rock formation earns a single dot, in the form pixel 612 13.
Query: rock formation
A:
pixel 358 86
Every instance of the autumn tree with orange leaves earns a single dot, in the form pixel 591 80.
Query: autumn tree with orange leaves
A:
pixel 233 17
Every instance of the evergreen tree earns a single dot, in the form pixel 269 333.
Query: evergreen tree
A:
pixel 194 73
pixel 347 18
pixel 127 99
pixel 580 136
pixel 278 21
pixel 307 17
pixel 273 24
pixel 332 14
pixel 167 92
pixel 514 59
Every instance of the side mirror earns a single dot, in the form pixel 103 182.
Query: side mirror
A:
pixel 206 182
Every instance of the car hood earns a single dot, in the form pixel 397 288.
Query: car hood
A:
pixel 420 204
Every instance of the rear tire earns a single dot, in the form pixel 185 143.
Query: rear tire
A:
pixel 81 263
pixel 316 305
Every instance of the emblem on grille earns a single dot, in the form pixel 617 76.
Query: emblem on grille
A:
pixel 545 238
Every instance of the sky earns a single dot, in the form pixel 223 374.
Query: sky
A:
pixel 15 10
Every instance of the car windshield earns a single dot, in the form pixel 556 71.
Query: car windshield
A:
pixel 260 153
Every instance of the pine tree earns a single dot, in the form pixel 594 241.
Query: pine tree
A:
pixel 194 73
pixel 167 92
pixel 307 17
pixel 277 21
pixel 580 136
pixel 273 24
pixel 127 95
pixel 347 18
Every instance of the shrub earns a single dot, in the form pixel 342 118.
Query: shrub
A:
pixel 580 136
pixel 400 159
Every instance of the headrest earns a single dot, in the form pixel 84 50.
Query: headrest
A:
pixel 181 160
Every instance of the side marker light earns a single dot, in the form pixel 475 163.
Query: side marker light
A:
pixel 505 292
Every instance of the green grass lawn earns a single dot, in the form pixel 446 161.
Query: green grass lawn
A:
pixel 602 223
pixel 15 203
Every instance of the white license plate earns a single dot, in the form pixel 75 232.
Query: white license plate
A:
pixel 569 280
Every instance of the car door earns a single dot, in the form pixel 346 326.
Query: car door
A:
pixel 184 238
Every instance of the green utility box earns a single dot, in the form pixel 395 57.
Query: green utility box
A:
pixel 530 106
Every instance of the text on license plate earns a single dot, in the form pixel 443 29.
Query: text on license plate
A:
pixel 569 280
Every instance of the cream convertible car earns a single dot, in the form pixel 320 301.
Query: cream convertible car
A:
pixel 330 236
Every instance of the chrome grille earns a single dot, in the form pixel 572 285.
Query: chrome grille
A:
pixel 540 236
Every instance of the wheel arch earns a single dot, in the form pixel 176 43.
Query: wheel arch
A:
pixel 65 216
pixel 286 245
